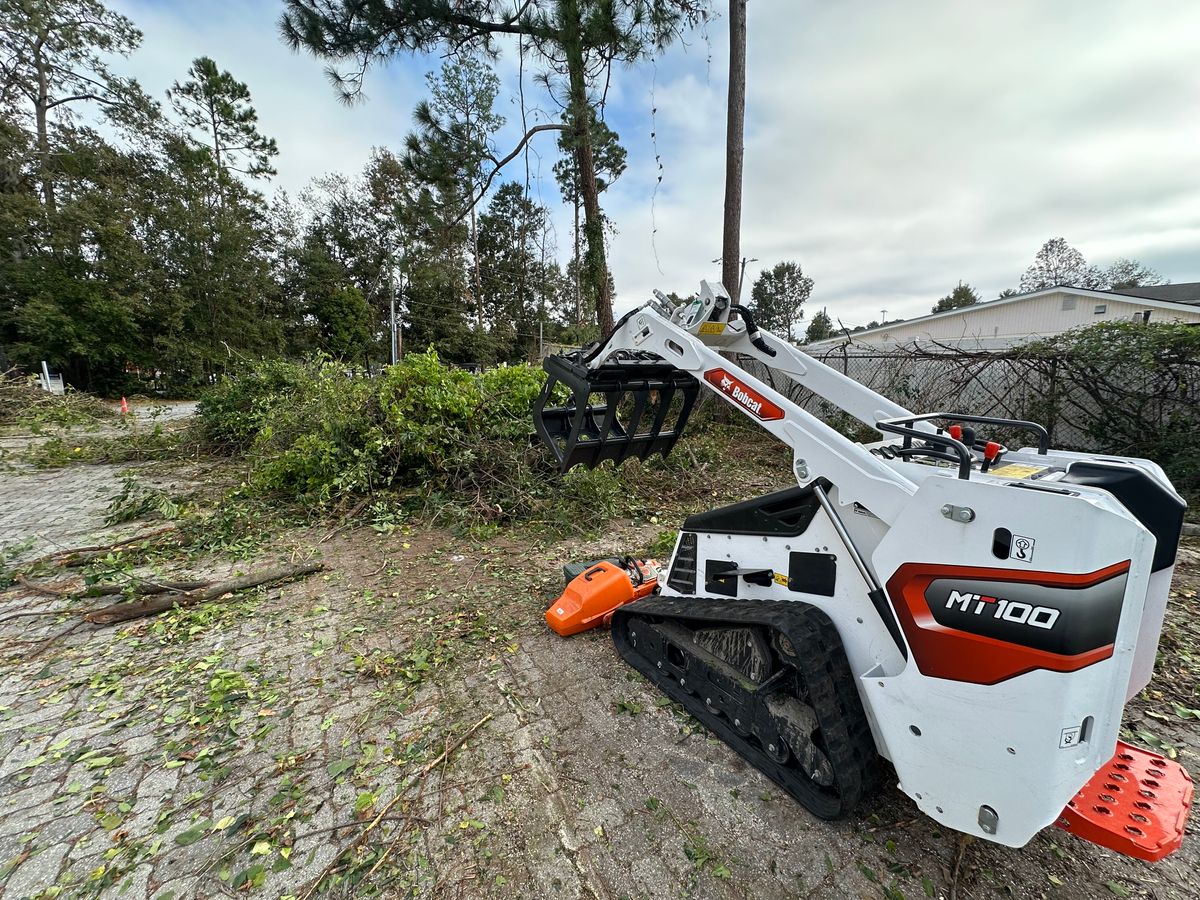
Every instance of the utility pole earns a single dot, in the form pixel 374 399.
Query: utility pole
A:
pixel 735 294
pixel 734 149
pixel 393 326
pixel 742 274
pixel 397 328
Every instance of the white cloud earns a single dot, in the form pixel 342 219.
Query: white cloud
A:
pixel 891 148
pixel 896 148
pixel 296 104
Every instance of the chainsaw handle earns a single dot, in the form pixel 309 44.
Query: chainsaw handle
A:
pixel 587 576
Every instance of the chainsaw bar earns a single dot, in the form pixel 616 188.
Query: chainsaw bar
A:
pixel 778 690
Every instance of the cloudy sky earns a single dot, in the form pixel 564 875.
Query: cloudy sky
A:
pixel 892 149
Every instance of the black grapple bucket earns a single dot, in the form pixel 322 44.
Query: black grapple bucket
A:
pixel 625 408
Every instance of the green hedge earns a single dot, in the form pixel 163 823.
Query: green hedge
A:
pixel 434 436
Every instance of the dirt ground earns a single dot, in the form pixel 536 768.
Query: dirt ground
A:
pixel 404 724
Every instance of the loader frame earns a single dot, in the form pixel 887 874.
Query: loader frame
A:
pixel 992 650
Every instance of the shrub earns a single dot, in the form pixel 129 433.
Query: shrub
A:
pixel 1132 389
pixel 428 408
pixel 234 410
pixel 451 444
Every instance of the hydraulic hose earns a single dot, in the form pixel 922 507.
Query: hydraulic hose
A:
pixel 752 329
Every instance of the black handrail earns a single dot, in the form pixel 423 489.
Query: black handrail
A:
pixel 1033 427
pixel 903 426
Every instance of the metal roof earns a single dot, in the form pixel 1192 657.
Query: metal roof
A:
pixel 1017 298
pixel 1188 292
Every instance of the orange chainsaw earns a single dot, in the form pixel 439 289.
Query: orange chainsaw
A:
pixel 594 594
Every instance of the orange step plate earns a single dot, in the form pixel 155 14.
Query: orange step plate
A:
pixel 1136 804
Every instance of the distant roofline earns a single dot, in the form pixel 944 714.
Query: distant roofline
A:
pixel 988 304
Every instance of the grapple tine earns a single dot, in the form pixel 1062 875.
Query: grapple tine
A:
pixel 581 433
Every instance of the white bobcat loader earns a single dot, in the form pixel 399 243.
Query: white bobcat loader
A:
pixel 977 615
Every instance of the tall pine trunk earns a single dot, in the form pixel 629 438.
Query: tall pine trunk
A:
pixel 578 261
pixel 475 274
pixel 41 113
pixel 734 146
pixel 579 113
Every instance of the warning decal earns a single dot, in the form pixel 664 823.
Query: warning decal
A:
pixel 1016 470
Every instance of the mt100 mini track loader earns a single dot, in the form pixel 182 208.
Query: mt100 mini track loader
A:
pixel 977 615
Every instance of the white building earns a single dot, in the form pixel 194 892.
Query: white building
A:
pixel 997 324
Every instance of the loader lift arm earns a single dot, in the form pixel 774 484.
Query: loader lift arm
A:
pixel 645 344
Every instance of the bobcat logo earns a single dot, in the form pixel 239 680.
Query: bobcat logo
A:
pixel 744 395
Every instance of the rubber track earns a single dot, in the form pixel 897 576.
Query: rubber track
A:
pixel 821 663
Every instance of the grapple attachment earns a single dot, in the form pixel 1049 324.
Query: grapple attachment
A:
pixel 629 407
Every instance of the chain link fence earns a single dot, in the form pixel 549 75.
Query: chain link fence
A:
pixel 1124 404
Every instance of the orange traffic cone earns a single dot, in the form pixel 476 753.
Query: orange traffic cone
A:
pixel 124 407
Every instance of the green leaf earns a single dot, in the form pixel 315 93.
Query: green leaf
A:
pixel 1117 888
pixel 193 834
pixel 253 876
pixel 337 768
pixel 927 886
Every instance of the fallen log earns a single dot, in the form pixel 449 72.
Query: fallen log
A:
pixel 124 612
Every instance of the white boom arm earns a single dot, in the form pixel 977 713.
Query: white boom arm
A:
pixel 817 448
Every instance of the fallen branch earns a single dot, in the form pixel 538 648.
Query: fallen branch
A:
pixel 33 614
pixel 45 590
pixel 450 750
pixel 77 556
pixel 143 588
pixel 124 612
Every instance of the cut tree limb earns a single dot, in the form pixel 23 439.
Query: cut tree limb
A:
pixel 401 792
pixel 46 590
pixel 78 556
pixel 143 587
pixel 124 612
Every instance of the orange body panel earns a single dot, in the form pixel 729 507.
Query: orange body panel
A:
pixel 591 597
pixel 943 652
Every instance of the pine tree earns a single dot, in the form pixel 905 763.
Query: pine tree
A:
pixel 217 105
pixel 963 295
pixel 778 295
pixel 54 54
pixel 577 40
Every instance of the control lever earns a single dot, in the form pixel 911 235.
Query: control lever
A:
pixel 991 451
